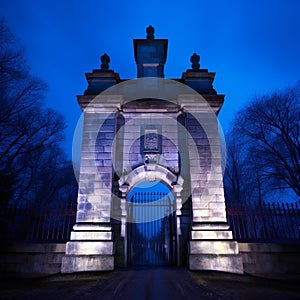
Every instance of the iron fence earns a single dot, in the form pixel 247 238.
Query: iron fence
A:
pixel 269 222
pixel 37 223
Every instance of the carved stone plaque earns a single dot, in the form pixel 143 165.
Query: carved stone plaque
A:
pixel 151 142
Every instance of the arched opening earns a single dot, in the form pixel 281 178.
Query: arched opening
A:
pixel 151 225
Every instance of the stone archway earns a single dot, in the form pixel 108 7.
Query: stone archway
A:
pixel 151 129
pixel 154 250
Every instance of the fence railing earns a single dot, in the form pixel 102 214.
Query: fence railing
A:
pixel 270 222
pixel 37 223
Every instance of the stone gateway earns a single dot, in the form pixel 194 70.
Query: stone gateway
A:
pixel 150 182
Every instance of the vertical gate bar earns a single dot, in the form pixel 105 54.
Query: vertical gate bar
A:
pixel 56 224
pixel 255 211
pixel 154 206
pixel 160 210
pixel 44 223
pixel 288 223
pixel 135 238
pixel 296 216
pixel 131 232
pixel 152 230
pixel 143 232
pixel 294 221
pixel 281 208
pixel 241 225
pixel 146 229
pixel 38 212
pixel 160 213
pixel 262 214
pixel 149 229
pixel 153 239
pixel 65 212
pixel 49 218
pixel 253 223
pixel 242 216
pixel 160 227
pixel 35 223
pixel 271 217
pixel 155 209
pixel 275 214
pixel 171 252
pixel 167 231
pixel 137 243
pixel 145 208
pixel 281 222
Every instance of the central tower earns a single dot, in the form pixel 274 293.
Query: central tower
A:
pixel 150 55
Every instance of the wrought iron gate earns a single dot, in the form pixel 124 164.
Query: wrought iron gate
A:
pixel 152 232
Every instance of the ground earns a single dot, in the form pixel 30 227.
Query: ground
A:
pixel 153 283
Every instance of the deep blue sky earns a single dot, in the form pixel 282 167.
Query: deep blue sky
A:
pixel 253 46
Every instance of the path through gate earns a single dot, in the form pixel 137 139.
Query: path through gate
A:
pixel 152 231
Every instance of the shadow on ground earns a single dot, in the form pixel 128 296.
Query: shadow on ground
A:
pixel 150 283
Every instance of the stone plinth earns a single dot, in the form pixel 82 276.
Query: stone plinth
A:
pixel 81 263
pixel 91 249
pixel 213 249
pixel 217 262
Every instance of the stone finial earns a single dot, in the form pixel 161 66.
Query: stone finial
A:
pixel 105 60
pixel 150 33
pixel 195 59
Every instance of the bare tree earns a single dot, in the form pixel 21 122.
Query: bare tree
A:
pixel 30 133
pixel 269 128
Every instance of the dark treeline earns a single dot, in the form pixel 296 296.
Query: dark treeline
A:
pixel 263 150
pixel 33 166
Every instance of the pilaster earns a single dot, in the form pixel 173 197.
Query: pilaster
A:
pixel 91 246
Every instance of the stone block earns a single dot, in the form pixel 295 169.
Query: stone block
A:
pixel 90 217
pixel 90 248
pixel 91 235
pixel 71 264
pixel 213 247
pixel 211 235
pixel 212 219
pixel 213 262
pixel 211 226
pixel 92 227
pixel 201 212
